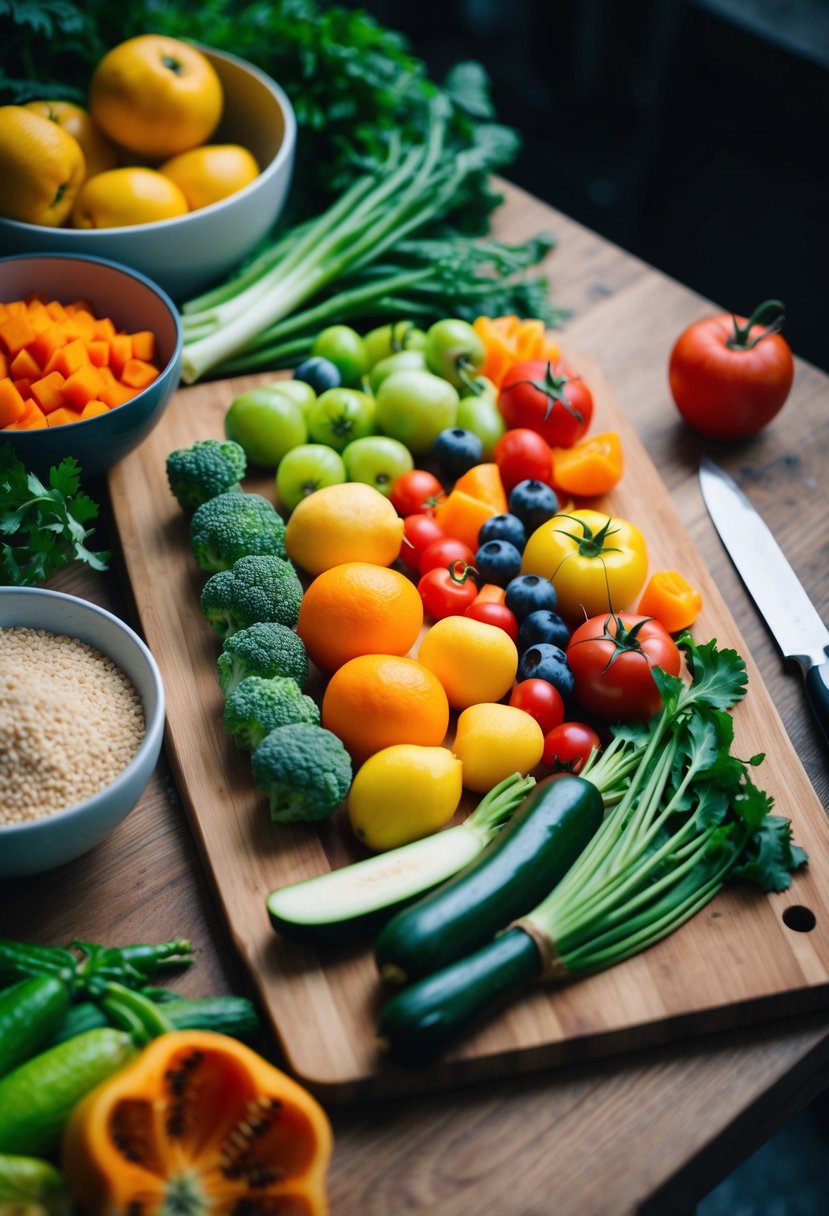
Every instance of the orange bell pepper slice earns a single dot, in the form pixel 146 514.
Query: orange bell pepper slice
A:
pixel 509 340
pixel 483 481
pixel 590 467
pixel 670 599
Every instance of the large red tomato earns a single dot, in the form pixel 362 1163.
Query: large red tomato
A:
pixel 730 376
pixel 548 398
pixel 611 657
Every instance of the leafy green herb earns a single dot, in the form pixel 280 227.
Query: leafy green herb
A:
pixel 46 524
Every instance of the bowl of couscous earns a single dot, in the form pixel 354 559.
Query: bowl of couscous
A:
pixel 81 725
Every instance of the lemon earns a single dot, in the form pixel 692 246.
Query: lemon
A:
pixel 474 661
pixel 492 741
pixel 403 793
pixel 349 522
pixel 41 168
pixel 210 173
pixel 121 198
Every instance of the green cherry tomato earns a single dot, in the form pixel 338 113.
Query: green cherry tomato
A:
pixel 481 416
pixel 403 360
pixel 387 340
pixel 346 350
pixel 298 390
pixel 340 415
pixel 377 460
pixel 414 407
pixel 455 351
pixel 307 468
pixel 266 423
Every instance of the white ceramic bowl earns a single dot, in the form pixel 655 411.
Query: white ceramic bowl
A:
pixel 194 251
pixel 42 844
pixel 134 304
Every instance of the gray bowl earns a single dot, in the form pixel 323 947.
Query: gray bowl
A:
pixel 42 844
pixel 195 251
pixel 134 303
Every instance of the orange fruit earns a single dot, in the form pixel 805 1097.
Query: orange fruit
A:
pixel 359 608
pixel 41 168
pixel 348 522
pixel 473 661
pixel 156 96
pixel 98 151
pixel 378 700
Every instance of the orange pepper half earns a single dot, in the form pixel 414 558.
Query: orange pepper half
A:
pixel 590 467
pixel 671 600
pixel 198 1122
pixel 510 340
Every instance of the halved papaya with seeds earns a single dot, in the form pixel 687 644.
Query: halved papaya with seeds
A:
pixel 198 1123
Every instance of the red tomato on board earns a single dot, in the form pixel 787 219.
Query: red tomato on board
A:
pixel 541 700
pixel 492 613
pixel 443 551
pixel 447 591
pixel 418 533
pixel 567 747
pixel 548 398
pixel 412 493
pixel 523 455
pixel 730 376
pixel 611 659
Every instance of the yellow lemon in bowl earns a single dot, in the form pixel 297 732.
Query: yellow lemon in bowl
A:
pixel 120 198
pixel 210 173
pixel 156 96
pixel 41 168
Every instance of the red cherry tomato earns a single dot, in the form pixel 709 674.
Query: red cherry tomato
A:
pixel 521 455
pixel 418 533
pixel 568 747
pixel 447 590
pixel 495 614
pixel 548 398
pixel 443 551
pixel 611 659
pixel 541 700
pixel 413 492
pixel 730 376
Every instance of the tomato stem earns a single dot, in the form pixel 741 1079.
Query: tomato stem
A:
pixel 769 313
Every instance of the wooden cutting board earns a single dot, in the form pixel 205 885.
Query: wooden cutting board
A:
pixel 746 957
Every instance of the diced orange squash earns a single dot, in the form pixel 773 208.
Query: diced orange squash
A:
pixel 82 305
pixel 48 392
pixel 63 416
pixel 143 345
pixel 80 324
pixel 17 308
pixel 93 408
pixel 82 386
pixel 24 364
pixel 56 310
pixel 104 328
pixel 107 374
pixel 4 365
pixel 47 342
pixel 69 358
pixel 98 349
pixel 23 385
pixel 120 350
pixel 12 404
pixel 138 374
pixel 31 419
pixel 16 333
pixel 116 394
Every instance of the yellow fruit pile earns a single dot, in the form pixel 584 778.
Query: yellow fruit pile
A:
pixel 138 155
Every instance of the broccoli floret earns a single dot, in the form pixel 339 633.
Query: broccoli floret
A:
pixel 208 468
pixel 259 706
pixel 234 525
pixel 265 649
pixel 305 771
pixel 261 587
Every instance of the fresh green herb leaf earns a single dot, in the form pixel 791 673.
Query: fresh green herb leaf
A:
pixel 46 525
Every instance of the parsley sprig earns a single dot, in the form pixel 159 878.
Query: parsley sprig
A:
pixel 46 526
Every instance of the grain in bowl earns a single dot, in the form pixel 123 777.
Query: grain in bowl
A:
pixel 70 722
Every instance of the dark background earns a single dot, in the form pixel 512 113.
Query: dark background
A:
pixel 693 133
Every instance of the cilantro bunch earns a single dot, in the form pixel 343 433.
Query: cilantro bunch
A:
pixel 43 527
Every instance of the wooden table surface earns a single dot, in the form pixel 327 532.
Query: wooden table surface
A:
pixel 654 1131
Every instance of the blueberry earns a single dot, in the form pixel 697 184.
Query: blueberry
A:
pixel 529 593
pixel 457 450
pixel 533 502
pixel 544 661
pixel 504 527
pixel 320 373
pixel 497 561
pixel 542 626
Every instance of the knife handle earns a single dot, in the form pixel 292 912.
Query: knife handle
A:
pixel 817 691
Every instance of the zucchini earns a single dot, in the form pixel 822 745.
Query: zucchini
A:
pixel 512 874
pixel 353 900
pixel 30 1013
pixel 422 1020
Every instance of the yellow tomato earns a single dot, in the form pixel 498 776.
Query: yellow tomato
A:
pixel 41 168
pixel 121 198
pixel 210 173
pixel 494 740
pixel 156 96
pixel 99 152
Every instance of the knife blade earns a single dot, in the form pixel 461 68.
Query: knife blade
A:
pixel 787 610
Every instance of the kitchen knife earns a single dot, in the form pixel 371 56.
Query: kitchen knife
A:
pixel 773 585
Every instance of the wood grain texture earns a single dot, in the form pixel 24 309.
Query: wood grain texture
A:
pixel 644 1132
pixel 736 962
